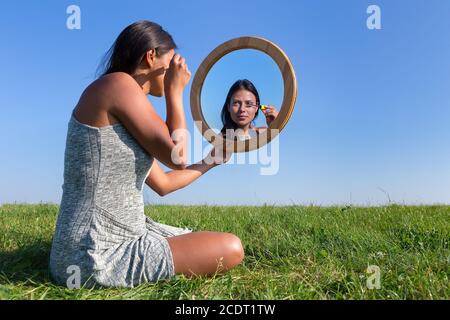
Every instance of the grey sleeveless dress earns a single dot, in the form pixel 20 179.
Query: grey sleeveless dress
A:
pixel 101 229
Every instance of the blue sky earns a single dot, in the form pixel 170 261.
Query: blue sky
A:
pixel 371 118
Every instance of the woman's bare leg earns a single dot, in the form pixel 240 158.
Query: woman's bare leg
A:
pixel 205 253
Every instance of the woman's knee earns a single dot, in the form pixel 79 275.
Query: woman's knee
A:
pixel 234 248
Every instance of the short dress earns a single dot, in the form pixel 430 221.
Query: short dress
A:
pixel 101 229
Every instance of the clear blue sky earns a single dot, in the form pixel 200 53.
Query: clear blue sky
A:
pixel 372 113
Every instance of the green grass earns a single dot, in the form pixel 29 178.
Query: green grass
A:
pixel 292 252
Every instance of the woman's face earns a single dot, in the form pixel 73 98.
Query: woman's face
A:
pixel 243 107
pixel 158 71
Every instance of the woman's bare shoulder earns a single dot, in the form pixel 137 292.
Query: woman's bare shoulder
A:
pixel 104 94
pixel 118 88
pixel 116 83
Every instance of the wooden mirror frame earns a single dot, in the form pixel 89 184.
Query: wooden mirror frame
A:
pixel 289 98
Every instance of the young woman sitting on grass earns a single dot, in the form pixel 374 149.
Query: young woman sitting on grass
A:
pixel 113 140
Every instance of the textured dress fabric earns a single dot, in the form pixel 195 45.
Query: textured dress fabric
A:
pixel 101 229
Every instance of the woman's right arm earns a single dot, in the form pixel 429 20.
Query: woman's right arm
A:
pixel 131 106
pixel 176 78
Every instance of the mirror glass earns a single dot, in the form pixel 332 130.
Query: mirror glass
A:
pixel 229 96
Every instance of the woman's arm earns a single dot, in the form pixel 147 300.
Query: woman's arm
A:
pixel 131 106
pixel 164 183
pixel 174 84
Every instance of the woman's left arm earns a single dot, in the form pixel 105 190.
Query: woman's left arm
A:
pixel 164 183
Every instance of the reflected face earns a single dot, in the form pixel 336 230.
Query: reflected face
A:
pixel 158 72
pixel 243 107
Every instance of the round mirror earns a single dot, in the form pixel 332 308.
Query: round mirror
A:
pixel 243 93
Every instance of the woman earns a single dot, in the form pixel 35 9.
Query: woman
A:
pixel 114 136
pixel 241 109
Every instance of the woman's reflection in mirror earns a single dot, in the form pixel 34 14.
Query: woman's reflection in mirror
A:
pixel 241 108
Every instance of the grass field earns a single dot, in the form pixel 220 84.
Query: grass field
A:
pixel 292 252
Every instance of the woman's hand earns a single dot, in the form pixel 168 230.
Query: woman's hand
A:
pixel 177 75
pixel 219 155
pixel 271 113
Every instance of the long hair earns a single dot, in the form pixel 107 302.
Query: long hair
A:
pixel 227 122
pixel 132 44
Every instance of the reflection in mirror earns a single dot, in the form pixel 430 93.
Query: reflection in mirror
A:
pixel 242 94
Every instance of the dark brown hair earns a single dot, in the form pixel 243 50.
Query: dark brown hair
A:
pixel 132 44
